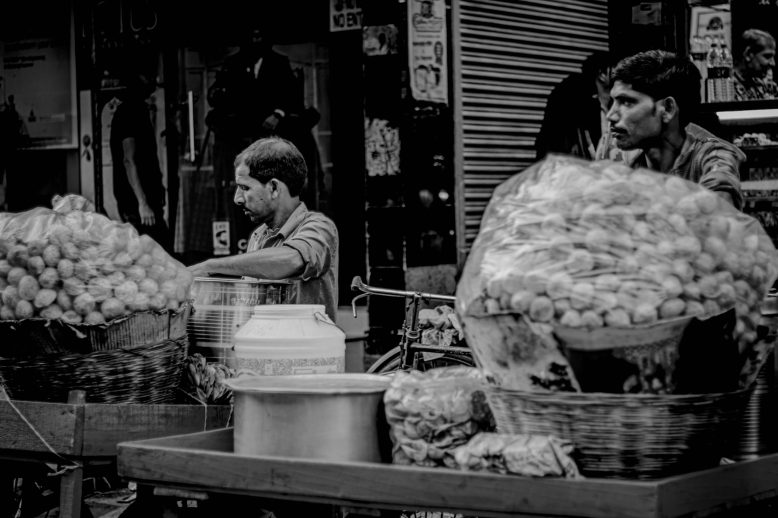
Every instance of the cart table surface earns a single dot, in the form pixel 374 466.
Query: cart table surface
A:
pixel 206 462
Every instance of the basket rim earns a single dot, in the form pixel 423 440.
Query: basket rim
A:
pixel 105 325
pixel 596 339
pixel 607 397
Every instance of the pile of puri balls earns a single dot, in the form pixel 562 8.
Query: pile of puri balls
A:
pixel 592 244
pixel 81 267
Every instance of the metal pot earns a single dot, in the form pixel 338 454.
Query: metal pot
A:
pixel 325 416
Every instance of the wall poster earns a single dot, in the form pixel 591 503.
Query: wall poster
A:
pixel 427 50
pixel 38 77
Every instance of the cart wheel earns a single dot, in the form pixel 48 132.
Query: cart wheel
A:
pixel 391 361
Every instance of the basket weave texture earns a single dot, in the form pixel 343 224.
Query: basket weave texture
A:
pixel 148 373
pixel 627 436
pixel 39 336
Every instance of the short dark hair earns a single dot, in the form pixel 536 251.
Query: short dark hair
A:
pixel 660 74
pixel 274 157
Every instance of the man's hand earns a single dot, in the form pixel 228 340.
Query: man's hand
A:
pixel 146 214
pixel 200 269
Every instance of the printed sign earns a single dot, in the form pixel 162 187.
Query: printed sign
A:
pixel 427 50
pixel 345 15
pixel 221 238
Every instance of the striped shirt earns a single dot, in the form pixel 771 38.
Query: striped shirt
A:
pixel 315 237
pixel 704 159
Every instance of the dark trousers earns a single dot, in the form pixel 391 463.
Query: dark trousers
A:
pixel 158 231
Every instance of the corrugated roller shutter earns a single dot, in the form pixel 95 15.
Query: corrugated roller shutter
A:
pixel 508 56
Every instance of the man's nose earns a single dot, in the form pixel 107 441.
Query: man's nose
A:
pixel 238 198
pixel 612 114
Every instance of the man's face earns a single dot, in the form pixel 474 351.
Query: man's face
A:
pixel 254 197
pixel 634 120
pixel 760 62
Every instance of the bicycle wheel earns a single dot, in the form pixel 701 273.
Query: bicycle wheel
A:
pixel 391 361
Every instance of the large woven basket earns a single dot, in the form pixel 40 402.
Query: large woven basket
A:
pixel 627 435
pixel 39 336
pixel 148 373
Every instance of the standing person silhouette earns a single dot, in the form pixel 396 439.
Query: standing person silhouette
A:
pixel 255 95
pixel 137 177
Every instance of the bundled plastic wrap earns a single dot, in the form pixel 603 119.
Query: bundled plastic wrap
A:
pixel 576 245
pixel 431 413
pixel 525 455
pixel 77 266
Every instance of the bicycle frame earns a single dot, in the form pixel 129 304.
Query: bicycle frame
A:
pixel 409 343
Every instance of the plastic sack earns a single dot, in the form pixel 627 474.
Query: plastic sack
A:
pixel 432 413
pixel 582 244
pixel 525 455
pixel 75 265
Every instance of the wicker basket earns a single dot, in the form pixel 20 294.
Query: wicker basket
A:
pixel 38 336
pixel 631 436
pixel 145 374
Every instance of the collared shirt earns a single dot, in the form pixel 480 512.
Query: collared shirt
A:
pixel 315 237
pixel 754 88
pixel 705 159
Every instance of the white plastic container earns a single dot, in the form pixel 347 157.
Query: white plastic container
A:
pixel 288 339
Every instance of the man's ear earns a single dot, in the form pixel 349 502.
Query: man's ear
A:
pixel 668 108
pixel 275 188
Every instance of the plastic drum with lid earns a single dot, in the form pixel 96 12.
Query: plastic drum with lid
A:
pixel 288 339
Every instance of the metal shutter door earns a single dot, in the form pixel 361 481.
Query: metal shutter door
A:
pixel 508 56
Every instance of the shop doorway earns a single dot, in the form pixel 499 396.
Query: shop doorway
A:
pixel 207 222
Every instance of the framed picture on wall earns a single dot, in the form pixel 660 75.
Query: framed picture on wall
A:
pixel 38 71
pixel 713 21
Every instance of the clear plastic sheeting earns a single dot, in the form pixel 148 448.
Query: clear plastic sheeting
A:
pixel 577 244
pixel 72 264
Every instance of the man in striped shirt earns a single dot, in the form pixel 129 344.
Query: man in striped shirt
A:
pixel 655 93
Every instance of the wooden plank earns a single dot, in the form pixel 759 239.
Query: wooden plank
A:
pixel 56 423
pixel 171 461
pixel 722 487
pixel 70 493
pixel 107 425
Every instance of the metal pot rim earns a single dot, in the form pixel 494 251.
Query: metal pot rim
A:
pixel 310 384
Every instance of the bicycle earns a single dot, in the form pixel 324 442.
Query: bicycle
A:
pixel 411 353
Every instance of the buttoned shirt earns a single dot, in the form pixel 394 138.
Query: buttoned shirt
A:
pixel 754 88
pixel 315 237
pixel 705 159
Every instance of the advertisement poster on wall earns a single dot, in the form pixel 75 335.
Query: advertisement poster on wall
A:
pixel 427 50
pixel 38 81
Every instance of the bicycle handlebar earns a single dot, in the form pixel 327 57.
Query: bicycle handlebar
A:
pixel 357 284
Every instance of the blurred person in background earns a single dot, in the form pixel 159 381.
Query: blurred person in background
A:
pixel 256 94
pixel 655 95
pixel 753 69
pixel 137 176
pixel 574 120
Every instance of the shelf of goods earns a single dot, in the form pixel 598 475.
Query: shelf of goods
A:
pixel 168 462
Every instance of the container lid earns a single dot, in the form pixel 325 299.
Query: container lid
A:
pixel 235 280
pixel 325 384
pixel 289 310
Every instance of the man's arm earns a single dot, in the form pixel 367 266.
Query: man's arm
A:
pixel 130 166
pixel 720 171
pixel 269 263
